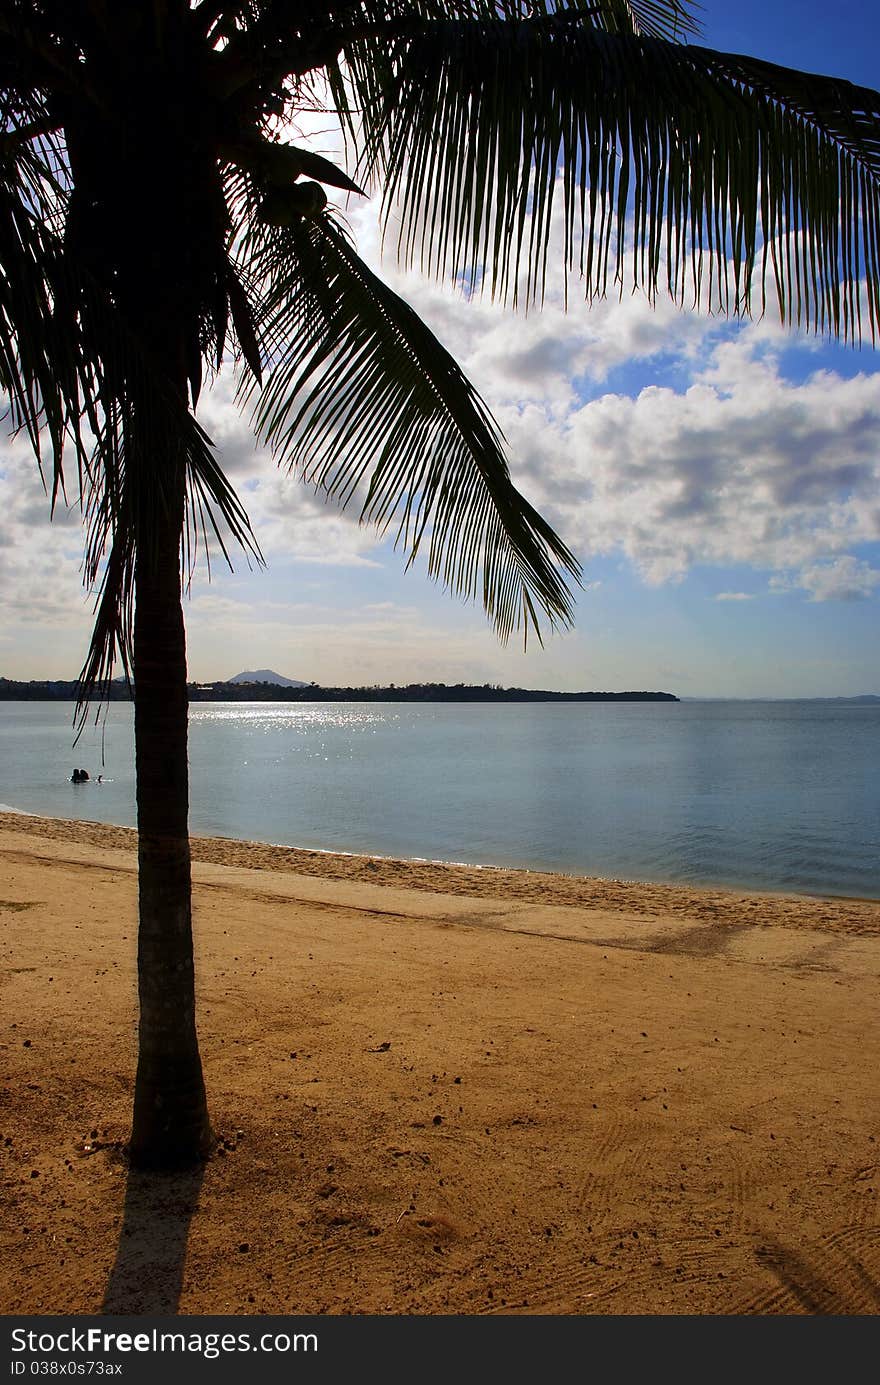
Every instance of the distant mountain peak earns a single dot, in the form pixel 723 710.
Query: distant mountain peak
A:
pixel 267 675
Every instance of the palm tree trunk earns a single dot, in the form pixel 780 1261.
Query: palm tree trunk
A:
pixel 170 1124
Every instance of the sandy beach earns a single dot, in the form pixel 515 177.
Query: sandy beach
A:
pixel 441 1090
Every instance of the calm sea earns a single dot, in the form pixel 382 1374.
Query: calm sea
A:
pixel 772 795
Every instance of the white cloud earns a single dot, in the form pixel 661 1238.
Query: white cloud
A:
pixel 40 556
pixel 843 579
pixel 739 465
pixel 733 596
pixel 291 519
pixel 537 356
pixel 763 472
pixel 229 427
pixel 288 516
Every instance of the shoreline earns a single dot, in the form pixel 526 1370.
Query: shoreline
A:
pixel 440 1090
pixel 723 903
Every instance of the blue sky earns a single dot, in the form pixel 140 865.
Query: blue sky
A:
pixel 720 484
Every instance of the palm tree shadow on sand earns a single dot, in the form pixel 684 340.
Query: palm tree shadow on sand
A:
pixel 836 1276
pixel 147 1274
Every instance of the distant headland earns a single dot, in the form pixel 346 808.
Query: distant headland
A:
pixel 242 689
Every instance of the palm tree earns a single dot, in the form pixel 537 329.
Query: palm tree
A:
pixel 154 207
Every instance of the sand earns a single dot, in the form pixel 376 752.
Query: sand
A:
pixel 441 1090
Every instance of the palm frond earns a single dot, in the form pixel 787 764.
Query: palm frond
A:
pixel 364 401
pixel 73 371
pixel 719 168
pixel 666 19
pixel 126 495
pixel 41 371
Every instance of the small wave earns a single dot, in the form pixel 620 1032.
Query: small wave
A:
pixel 22 812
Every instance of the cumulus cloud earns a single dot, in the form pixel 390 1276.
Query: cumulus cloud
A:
pixel 738 464
pixel 550 352
pixel 292 520
pixel 843 579
pixel 228 425
pixel 40 561
pixel 289 518
pixel 47 614
pixel 743 466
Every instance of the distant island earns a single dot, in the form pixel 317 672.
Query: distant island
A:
pixel 861 700
pixel 257 690
pixel 411 692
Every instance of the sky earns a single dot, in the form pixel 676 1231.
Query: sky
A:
pixel 720 484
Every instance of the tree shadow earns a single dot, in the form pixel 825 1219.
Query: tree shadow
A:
pixel 833 1280
pixel 147 1274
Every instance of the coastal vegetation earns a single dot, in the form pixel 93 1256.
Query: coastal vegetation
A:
pixel 158 211
pixel 120 691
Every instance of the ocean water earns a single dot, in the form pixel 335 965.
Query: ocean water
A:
pixel 768 795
